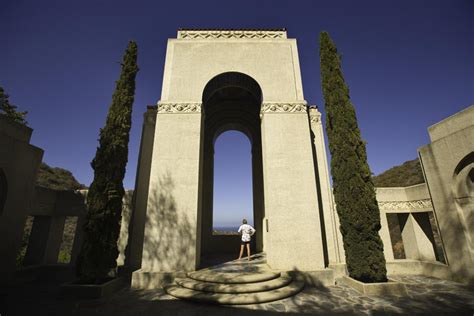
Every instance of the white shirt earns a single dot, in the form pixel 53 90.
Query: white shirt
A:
pixel 247 231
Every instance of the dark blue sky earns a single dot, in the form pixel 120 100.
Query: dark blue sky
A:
pixel 408 64
pixel 232 180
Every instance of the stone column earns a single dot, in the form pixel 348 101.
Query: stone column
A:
pixel 11 234
pixel 416 242
pixel 322 182
pixel 293 240
pixel 385 236
pixel 171 228
pixel 45 240
pixel 207 197
pixel 133 257
pixel 258 202
pixel 55 236
pixel 78 238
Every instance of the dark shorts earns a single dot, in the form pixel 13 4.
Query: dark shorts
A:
pixel 245 243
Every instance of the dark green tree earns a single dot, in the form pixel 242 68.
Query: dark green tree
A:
pixel 97 259
pixel 354 192
pixel 9 110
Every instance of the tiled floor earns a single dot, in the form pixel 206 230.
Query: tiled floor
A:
pixel 426 296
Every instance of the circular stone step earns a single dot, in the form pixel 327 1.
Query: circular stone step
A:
pixel 235 299
pixel 235 287
pixel 232 278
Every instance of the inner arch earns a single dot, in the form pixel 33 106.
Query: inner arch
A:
pixel 232 181
pixel 231 101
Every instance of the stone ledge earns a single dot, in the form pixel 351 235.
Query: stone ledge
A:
pixel 339 269
pixel 416 267
pixel 91 290
pixel 314 278
pixel 386 288
pixel 142 279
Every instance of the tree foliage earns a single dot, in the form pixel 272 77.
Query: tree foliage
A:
pixel 9 110
pixel 409 173
pixel 97 259
pixel 57 179
pixel 354 191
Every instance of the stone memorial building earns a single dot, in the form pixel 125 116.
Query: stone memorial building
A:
pixel 249 81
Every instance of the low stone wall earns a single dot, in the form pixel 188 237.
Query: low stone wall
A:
pixel 416 267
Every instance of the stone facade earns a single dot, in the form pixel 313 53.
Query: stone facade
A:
pixel 207 72
pixel 19 161
pixel 20 198
pixel 448 165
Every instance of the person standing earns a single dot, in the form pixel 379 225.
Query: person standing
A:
pixel 247 232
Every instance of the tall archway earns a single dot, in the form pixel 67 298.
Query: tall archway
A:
pixel 231 101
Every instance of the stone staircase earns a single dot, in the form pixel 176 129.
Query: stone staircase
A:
pixel 236 282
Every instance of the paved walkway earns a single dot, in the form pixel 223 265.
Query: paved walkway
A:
pixel 426 296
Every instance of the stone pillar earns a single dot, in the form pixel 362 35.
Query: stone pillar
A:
pixel 78 238
pixel 171 235
pixel 340 242
pixel 258 203
pixel 19 161
pixel 416 242
pixel 11 234
pixel 37 241
pixel 122 241
pixel 55 236
pixel 293 240
pixel 384 233
pixel 45 240
pixel 207 197
pixel 133 257
pixel 322 181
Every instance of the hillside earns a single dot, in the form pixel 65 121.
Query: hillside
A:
pixel 409 173
pixel 57 179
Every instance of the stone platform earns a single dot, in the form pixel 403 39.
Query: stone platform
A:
pixel 236 282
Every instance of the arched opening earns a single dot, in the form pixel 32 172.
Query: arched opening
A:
pixel 232 198
pixel 463 193
pixel 231 101
pixel 3 190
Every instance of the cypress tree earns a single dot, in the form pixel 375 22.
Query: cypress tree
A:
pixel 354 191
pixel 97 259
pixel 9 110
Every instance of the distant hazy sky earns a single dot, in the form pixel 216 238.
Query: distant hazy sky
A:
pixel 409 64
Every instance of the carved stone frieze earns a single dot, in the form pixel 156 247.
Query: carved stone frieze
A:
pixel 405 205
pixel 225 34
pixel 314 114
pixel 286 107
pixel 179 107
pixel 315 119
